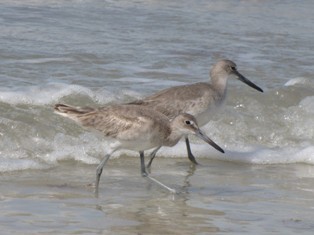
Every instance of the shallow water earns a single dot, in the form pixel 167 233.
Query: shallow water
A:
pixel 217 197
pixel 89 52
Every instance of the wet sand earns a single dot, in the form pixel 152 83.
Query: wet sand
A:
pixel 215 197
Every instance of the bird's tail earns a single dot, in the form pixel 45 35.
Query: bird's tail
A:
pixel 71 112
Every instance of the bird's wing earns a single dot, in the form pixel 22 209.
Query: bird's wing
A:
pixel 114 122
pixel 175 100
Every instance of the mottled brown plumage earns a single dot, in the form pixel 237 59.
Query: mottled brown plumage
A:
pixel 133 127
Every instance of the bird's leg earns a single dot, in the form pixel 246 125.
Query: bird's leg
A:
pixel 188 148
pixel 143 169
pixel 152 156
pixel 144 174
pixel 161 184
pixel 99 171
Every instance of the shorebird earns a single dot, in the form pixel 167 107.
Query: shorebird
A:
pixel 198 99
pixel 134 128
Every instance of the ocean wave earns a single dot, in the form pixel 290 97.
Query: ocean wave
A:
pixel 270 128
pixel 300 81
pixel 54 92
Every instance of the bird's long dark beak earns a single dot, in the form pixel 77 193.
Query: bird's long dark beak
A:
pixel 204 137
pixel 246 81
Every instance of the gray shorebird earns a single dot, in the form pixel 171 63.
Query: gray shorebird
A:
pixel 198 99
pixel 134 128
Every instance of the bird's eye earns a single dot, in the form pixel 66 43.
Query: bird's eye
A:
pixel 233 68
pixel 188 122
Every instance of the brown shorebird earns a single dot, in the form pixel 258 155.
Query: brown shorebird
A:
pixel 135 128
pixel 198 99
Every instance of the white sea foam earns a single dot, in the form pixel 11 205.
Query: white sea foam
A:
pixel 300 81
pixel 254 131
pixel 53 92
pixel 91 153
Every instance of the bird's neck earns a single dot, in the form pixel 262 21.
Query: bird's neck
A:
pixel 173 138
pixel 219 83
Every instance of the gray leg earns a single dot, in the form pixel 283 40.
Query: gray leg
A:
pixel 152 156
pixel 99 171
pixel 188 148
pixel 143 169
pixel 144 174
